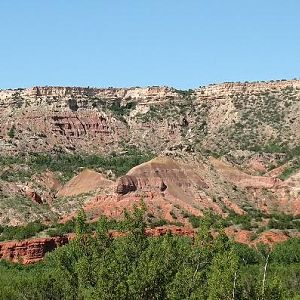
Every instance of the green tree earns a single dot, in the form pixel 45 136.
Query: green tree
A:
pixel 80 223
pixel 222 276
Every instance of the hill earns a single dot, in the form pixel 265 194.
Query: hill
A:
pixel 231 149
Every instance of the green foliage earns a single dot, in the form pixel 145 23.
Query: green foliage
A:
pixel 80 223
pixel 185 93
pixel 158 223
pixel 273 147
pixel 243 220
pixel 291 157
pixel 195 221
pixel 292 168
pixel 12 132
pixel 168 267
pixel 21 232
pixel 208 220
pixel 69 164
pixel 62 229
pixel 13 175
pixel 284 221
pixel 288 252
pixel 121 110
pixel 221 277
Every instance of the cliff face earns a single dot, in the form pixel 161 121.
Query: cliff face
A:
pixel 228 88
pixel 77 98
pixel 221 117
pixel 30 251
pixel 76 119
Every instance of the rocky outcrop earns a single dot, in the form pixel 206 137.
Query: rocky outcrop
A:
pixel 161 172
pixel 130 183
pixel 75 119
pixel 270 237
pixel 30 251
pixel 170 188
pixel 126 184
pixel 33 195
pixel 78 98
pixel 187 126
pixel 98 120
pixel 227 88
pixel 48 180
pixel 243 179
pixel 76 126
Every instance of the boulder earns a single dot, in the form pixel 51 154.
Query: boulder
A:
pixel 126 184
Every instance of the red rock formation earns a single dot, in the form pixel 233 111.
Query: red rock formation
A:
pixel 126 184
pixel 240 235
pixel 75 126
pixel 243 179
pixel 233 206
pixel 48 180
pixel 271 237
pixel 159 231
pixel 34 250
pixel 168 187
pixel 30 251
pixel 33 195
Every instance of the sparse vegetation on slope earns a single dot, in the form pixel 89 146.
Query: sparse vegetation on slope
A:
pixel 69 164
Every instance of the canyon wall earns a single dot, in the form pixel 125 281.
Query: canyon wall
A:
pixel 30 251
pixel 94 120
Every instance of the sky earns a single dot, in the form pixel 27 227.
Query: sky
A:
pixel 125 43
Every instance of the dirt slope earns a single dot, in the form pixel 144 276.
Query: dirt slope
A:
pixel 85 182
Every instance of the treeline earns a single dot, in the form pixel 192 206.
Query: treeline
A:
pixel 169 267
pixel 248 221
pixel 69 164
pixel 33 229
pixel 21 232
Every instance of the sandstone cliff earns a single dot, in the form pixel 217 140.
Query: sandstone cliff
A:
pixel 30 251
pixel 224 117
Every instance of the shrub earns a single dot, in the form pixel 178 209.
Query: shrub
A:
pixel 12 132
pixel 21 232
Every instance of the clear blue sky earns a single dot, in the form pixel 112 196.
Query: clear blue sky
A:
pixel 180 43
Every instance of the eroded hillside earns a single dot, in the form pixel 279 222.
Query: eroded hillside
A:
pixel 231 148
pixel 218 118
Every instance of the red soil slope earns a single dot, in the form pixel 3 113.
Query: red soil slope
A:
pixel 84 182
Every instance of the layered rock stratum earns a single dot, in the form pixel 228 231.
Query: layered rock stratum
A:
pixel 225 148
pixel 225 117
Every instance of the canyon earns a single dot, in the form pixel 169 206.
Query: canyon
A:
pixel 230 148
